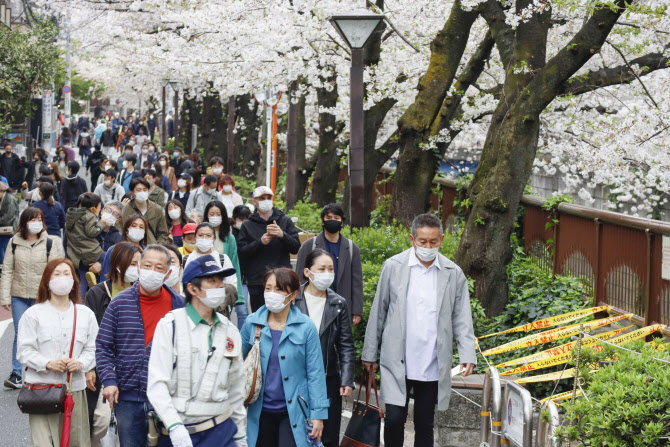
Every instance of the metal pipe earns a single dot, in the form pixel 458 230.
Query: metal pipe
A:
pixel 163 126
pixel 545 429
pixel 491 409
pixel 291 146
pixel 356 161
pixel 647 283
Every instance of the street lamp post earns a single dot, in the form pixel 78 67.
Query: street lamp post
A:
pixel 163 125
pixel 355 28
pixel 269 99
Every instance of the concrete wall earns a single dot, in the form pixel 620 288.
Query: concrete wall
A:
pixel 459 425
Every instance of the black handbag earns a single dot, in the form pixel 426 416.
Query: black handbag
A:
pixel 46 398
pixel 364 429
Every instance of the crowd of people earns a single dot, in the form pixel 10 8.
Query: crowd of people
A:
pixel 130 285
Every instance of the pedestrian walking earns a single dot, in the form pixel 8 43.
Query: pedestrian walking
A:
pixel 108 141
pixel 421 307
pixel 183 191
pixel 54 214
pixel 26 257
pixel 157 231
pixel 85 142
pixel 168 172
pixel 266 240
pixel 82 229
pixel 93 164
pixel 292 367
pixel 156 193
pixel 227 194
pixel 109 190
pixel 12 168
pixel 9 216
pixel 174 280
pixel 72 187
pixel 175 216
pixel 206 408
pixel 129 172
pixel 110 235
pixel 134 232
pixel 56 341
pixel 203 195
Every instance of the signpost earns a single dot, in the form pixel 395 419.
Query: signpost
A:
pixel 517 415
pixel 47 117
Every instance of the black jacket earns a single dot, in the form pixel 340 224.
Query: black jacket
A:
pixel 70 190
pixel 337 340
pixel 108 138
pixel 98 297
pixel 12 170
pixel 256 258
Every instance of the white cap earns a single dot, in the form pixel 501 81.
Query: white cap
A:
pixel 262 190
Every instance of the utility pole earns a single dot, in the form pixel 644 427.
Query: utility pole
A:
pixel 68 76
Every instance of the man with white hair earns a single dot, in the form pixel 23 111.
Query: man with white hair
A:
pixel 266 240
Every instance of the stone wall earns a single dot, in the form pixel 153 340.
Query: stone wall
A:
pixel 459 425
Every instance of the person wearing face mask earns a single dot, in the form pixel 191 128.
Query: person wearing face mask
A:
pixel 109 190
pixel 82 228
pixel 206 407
pixel 12 169
pixel 346 255
pixel 39 161
pixel 188 239
pixel 203 195
pixel 183 191
pixel 292 367
pixel 177 160
pixel 422 297
pixel 216 168
pixel 168 172
pixel 27 254
pixel 176 259
pixel 108 140
pixel 227 194
pixel 129 173
pixel 54 214
pixel 152 124
pixel 124 343
pixel 60 351
pixel 266 240
pixel 9 215
pixel 110 235
pixel 240 214
pixel 157 231
pixel 156 193
pixel 124 261
pixel 176 219
pixel 72 186
pixel 94 163
pixel 330 315
pixel 134 232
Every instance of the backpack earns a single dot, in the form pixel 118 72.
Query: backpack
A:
pixel 84 142
pixel 50 244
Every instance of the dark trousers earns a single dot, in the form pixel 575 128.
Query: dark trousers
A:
pixel 331 426
pixel 425 399
pixel 131 421
pixel 274 430
pixel 256 298
pixel 92 399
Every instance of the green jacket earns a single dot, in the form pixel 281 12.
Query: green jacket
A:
pixel 230 249
pixel 9 210
pixel 157 195
pixel 157 231
pixel 82 228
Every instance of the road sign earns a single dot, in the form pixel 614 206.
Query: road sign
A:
pixel 67 89
pixel 517 415
pixel 118 102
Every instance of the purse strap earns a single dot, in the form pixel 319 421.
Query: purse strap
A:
pixel 257 335
pixel 74 329
pixel 371 383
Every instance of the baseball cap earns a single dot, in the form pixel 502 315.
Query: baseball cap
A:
pixel 185 176
pixel 204 266
pixel 262 190
pixel 189 228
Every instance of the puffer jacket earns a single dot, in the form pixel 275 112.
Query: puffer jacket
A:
pixel 22 270
pixel 82 229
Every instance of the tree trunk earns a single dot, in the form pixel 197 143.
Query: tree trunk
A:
pixel 247 148
pixel 212 127
pixel 303 167
pixel 326 156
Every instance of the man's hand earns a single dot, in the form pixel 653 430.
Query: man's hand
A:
pixel 96 268
pixel 57 365
pixel 24 185
pixel 265 239
pixel 274 230
pixel 356 319
pixel 370 367
pixel 90 380
pixel 467 368
pixel 317 429
pixel 111 393
pixel 345 391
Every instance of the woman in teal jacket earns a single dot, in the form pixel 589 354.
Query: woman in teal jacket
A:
pixel 292 366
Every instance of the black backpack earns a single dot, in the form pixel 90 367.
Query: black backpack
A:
pixel 50 244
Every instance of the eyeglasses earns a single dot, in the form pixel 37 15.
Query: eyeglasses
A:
pixel 113 213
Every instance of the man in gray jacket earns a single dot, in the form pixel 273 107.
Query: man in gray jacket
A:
pixel 421 305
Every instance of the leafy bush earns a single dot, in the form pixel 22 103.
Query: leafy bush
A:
pixel 628 402
pixel 309 216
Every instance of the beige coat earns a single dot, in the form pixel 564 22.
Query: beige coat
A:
pixel 22 271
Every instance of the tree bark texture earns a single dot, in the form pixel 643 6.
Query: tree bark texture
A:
pixel 247 148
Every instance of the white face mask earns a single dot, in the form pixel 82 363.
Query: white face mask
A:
pixel 145 151
pixel 142 196
pixel 135 234
pixel 174 213
pixel 108 219
pixel 204 245
pixel 265 206
pixel 162 163
pixel 227 188
pixel 426 254
pixel 124 164
pixel 275 301
pixel 213 297
pixel 151 280
pixel 174 278
pixel 151 182
pixel 238 225
pixel 107 182
pixel 322 280
pixel 61 286
pixel 131 274
pixel 35 227
pixel 215 220
pixel 181 183
pixel 217 171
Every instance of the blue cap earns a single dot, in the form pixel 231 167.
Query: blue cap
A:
pixel 185 176
pixel 204 266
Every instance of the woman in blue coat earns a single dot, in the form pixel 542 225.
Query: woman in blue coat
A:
pixel 292 366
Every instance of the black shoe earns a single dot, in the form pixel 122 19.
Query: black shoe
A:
pixel 14 382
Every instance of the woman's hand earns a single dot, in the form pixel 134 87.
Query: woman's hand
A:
pixel 7 307
pixel 73 365
pixel 317 429
pixel 90 380
pixel 345 391
pixel 96 268
pixel 57 365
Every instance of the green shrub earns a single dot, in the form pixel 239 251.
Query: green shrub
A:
pixel 246 187
pixel 309 216
pixel 628 402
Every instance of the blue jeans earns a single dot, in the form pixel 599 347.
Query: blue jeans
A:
pixel 220 436
pixel 131 420
pixel 241 309
pixel 4 240
pixel 19 307
pixel 83 284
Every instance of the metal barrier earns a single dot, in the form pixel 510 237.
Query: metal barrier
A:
pixel 545 429
pixel 510 432
pixel 491 412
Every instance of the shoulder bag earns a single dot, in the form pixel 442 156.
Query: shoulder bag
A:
pixel 8 230
pixel 364 429
pixel 46 398
pixel 253 374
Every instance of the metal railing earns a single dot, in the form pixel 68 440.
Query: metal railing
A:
pixel 491 423
pixel 547 429
pixel 527 403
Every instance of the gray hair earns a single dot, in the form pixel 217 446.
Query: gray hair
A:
pixel 426 220
pixel 115 203
pixel 159 248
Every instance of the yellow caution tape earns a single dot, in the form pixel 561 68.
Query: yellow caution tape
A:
pixel 551 377
pixel 558 350
pixel 552 335
pixel 561 396
pixel 552 321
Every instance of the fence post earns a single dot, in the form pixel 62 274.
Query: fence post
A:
pixel 492 411
pixel 548 428
pixel 648 317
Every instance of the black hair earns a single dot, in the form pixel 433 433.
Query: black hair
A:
pixel 132 158
pixel 45 179
pixel 110 173
pixel 97 147
pixel 27 215
pixel 151 172
pixel 333 208
pixel 241 211
pixel 47 192
pixel 224 228
pixel 183 218
pixel 205 225
pixel 196 282
pixel 216 160
pixel 211 178
pixel 89 200
pixel 129 146
pixel 315 254
pixel 195 177
pixel 138 181
pixel 73 166
pixel 174 249
pixel 128 195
